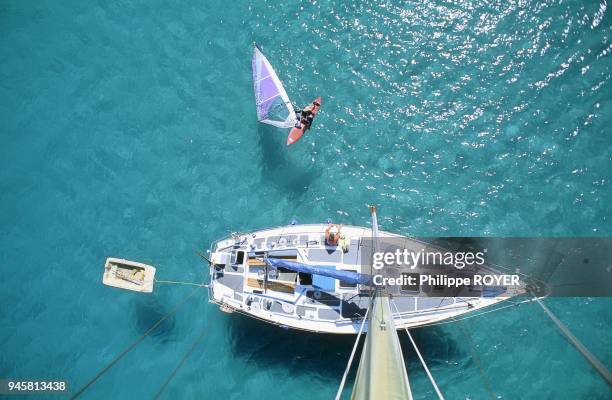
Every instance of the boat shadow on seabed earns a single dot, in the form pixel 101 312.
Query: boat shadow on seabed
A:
pixel 147 311
pixel 289 169
pixel 268 346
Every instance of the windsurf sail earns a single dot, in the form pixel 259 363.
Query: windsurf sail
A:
pixel 273 104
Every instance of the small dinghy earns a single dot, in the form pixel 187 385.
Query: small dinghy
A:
pixel 129 275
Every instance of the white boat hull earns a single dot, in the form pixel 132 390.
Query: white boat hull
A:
pixel 290 301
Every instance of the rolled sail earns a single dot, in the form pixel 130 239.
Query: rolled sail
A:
pixel 350 277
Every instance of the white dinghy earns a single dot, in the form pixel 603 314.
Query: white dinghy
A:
pixel 129 275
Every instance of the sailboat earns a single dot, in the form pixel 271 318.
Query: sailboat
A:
pixel 272 102
pixel 311 277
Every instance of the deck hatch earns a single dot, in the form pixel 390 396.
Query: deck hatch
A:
pixel 324 255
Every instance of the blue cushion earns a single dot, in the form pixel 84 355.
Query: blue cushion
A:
pixel 323 282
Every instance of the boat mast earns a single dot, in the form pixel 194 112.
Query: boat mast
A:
pixel 382 372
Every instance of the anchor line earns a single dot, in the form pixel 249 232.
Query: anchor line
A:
pixel 590 357
pixel 132 346
pixel 476 359
pixel 180 364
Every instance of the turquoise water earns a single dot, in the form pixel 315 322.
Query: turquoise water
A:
pixel 129 130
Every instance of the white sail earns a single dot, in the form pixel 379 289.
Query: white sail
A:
pixel 273 104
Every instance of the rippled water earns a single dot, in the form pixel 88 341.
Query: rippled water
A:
pixel 129 130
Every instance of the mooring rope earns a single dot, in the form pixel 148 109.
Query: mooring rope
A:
pixel 350 361
pixel 183 283
pixel 429 375
pixel 180 364
pixel 590 357
pixel 476 359
pixel 131 346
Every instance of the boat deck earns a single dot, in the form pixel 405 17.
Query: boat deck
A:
pixel 241 281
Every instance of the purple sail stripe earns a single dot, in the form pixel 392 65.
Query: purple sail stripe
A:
pixel 270 92
pixel 267 89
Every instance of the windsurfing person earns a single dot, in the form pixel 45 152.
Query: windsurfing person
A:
pixel 304 119
pixel 306 115
pixel 273 104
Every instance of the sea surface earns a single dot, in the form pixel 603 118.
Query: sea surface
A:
pixel 128 129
